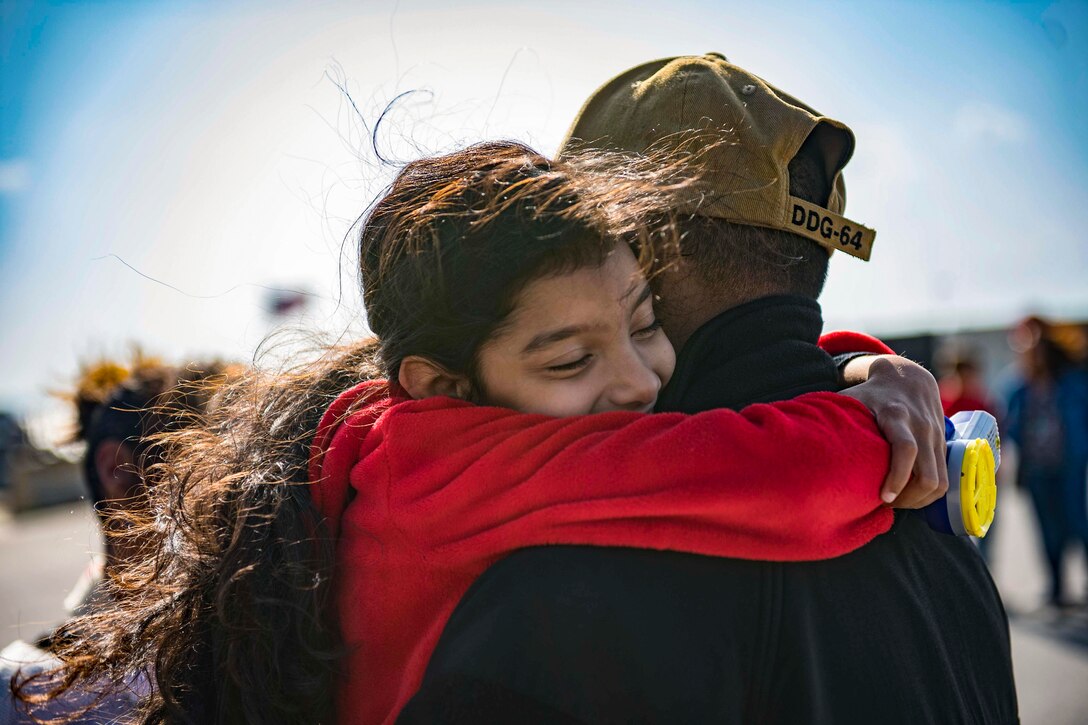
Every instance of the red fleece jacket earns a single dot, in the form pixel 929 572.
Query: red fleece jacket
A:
pixel 424 495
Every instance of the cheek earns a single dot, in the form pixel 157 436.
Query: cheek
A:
pixel 507 386
pixel 556 398
pixel 662 359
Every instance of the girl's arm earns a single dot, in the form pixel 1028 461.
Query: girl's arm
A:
pixel 479 482
pixel 797 480
pixel 842 342
pixel 905 400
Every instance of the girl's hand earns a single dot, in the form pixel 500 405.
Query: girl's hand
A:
pixel 904 399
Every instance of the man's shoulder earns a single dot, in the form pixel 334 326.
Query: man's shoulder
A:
pixel 595 584
pixel 572 626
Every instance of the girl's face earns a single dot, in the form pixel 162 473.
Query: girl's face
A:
pixel 583 342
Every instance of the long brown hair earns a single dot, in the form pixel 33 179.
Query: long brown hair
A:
pixel 230 619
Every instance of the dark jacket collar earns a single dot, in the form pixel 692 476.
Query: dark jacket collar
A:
pixel 758 352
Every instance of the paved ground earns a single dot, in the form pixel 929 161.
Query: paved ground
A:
pixel 42 553
pixel 1050 649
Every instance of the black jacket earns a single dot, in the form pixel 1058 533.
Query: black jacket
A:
pixel 908 629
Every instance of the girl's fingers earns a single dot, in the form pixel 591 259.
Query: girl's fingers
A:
pixel 903 456
pixel 929 481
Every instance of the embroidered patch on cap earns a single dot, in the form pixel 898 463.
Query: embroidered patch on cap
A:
pixel 830 229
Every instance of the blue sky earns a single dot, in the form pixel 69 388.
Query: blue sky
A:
pixel 205 145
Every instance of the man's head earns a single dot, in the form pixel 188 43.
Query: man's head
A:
pixel 773 193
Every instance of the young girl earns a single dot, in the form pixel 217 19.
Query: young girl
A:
pixel 508 306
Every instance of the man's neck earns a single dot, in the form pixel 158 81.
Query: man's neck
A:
pixel 761 351
pixel 690 303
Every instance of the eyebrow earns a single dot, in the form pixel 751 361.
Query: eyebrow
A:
pixel 551 337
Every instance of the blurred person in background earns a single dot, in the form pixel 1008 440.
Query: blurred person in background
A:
pixel 1047 419
pixel 961 384
pixel 119 410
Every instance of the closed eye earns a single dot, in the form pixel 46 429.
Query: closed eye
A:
pixel 568 367
pixel 648 331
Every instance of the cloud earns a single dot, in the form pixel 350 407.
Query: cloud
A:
pixel 14 175
pixel 985 122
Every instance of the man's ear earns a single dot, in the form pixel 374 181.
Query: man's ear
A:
pixel 423 378
pixel 115 464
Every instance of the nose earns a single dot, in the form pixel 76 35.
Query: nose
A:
pixel 634 385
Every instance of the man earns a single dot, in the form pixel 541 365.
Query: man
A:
pixel 907 629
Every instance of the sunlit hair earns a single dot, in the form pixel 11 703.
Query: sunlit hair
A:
pixel 230 618
pixel 445 252
pixel 139 402
pixel 734 262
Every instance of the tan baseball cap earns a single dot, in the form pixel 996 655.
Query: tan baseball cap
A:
pixel 750 131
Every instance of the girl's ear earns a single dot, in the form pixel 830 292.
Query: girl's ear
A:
pixel 423 378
